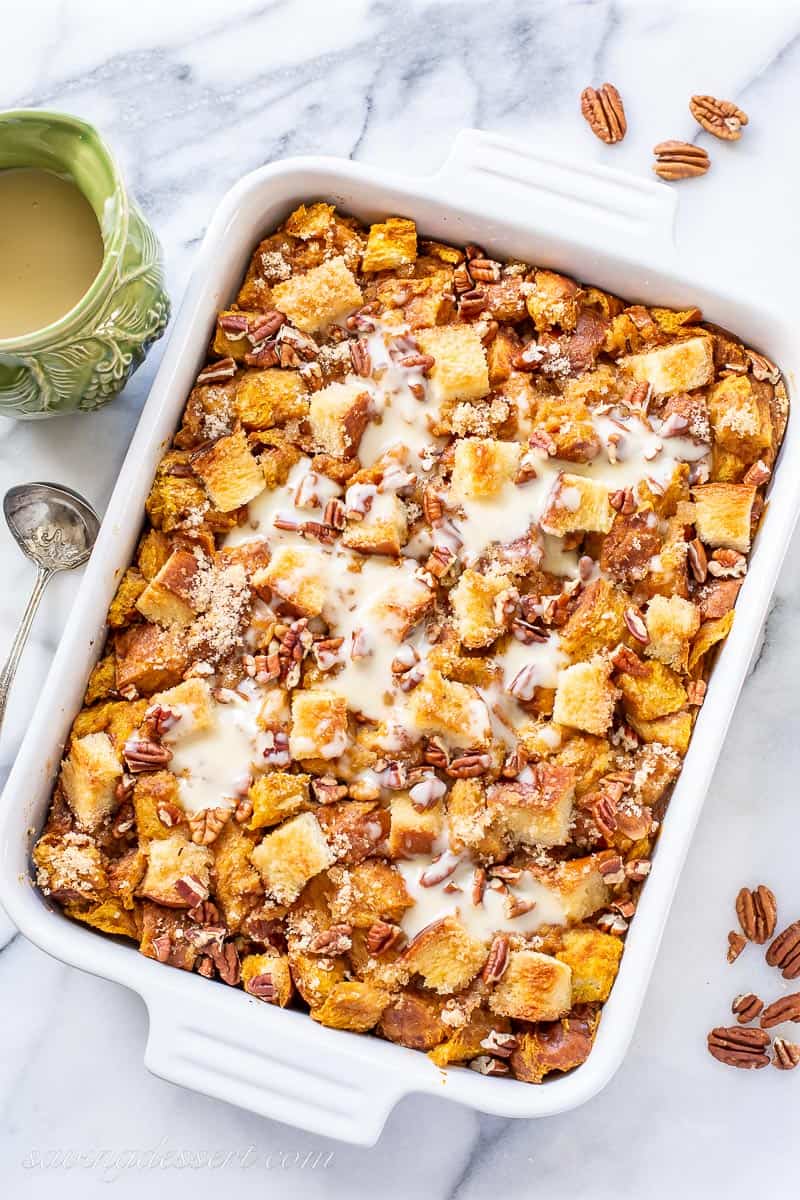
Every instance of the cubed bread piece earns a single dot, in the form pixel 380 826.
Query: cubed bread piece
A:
pixel 237 887
pixel 678 367
pixel 122 609
pixel 740 417
pixel 455 710
pixel 154 550
pixel 368 892
pixel 70 866
pixel 102 681
pixel 352 1005
pixel 401 606
pixel 384 529
pixel 319 725
pixel 156 804
pixel 578 883
pixel 354 828
pixel 459 371
pixel 267 977
pixel 414 1019
pixel 230 473
pixel 656 769
pixel 412 830
pixel 652 691
pixel 178 872
pixel 445 955
pixel 297 574
pixel 338 415
pixel 597 622
pixel 316 299
pixel 673 730
pixel 482 467
pixel 723 514
pixel 469 821
pixel 192 704
pixel 466 1040
pixel 577 503
pixel 392 243
pixel 478 606
pixel 165 929
pixel 533 987
pixel 537 812
pixel 271 397
pixel 310 222
pixel 585 696
pixel 125 874
pixel 109 917
pixel 89 776
pixel 554 1046
pixel 277 796
pixel 234 342
pixel 171 596
pixel 149 657
pixel 294 853
pixel 593 957
pixel 315 976
pixel 671 623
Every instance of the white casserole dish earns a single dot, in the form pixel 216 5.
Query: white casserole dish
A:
pixel 595 223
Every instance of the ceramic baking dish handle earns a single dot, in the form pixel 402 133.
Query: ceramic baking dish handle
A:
pixel 599 206
pixel 315 1079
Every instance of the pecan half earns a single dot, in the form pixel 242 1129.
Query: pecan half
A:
pixel 723 118
pixel 496 963
pixel 604 111
pixel 360 358
pixel 382 936
pixel 757 913
pixel 736 944
pixel 737 1047
pixel 262 987
pixel 500 1044
pixel 206 826
pixel 141 754
pixel 784 951
pixel 336 940
pixel 785 1008
pixel 226 960
pixel 469 766
pixel 217 372
pixel 746 1007
pixel 486 1065
pixel 680 160
pixel 787 1054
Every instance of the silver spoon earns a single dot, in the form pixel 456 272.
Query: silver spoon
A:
pixel 55 528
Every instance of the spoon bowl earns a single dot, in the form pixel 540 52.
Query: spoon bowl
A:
pixel 52 525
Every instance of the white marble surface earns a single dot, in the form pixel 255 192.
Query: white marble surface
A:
pixel 191 96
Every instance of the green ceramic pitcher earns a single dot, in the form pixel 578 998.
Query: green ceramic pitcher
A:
pixel 82 360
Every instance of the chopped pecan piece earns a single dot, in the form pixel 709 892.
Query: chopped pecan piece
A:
pixel 736 944
pixel 786 1054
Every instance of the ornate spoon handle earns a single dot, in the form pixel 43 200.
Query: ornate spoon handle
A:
pixel 43 577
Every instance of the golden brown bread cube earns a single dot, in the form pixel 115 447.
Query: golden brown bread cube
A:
pixel 391 243
pixel 533 987
pixel 445 955
pixel 317 298
pixel 368 892
pixel 740 417
pixel 291 855
pixel 585 697
pixel 412 831
pixel 237 887
pixel 338 415
pixel 70 867
pixel 384 530
pixel 109 917
pixel 191 703
pixel 552 299
pixel 125 874
pixel 460 371
pixel 413 1019
pixel 149 658
pixel 678 367
pixel 352 1005
pixel 554 1046
pixel 230 343
pixel 589 758
pixel 455 710
pixel 576 503
pixel 270 397
pixel 319 724
pixel 671 623
pixel 123 607
pixel 311 222
pixel 469 821
pixel 154 550
pixel 277 796
pixel 466 1039
pixel 298 575
pixel 593 957
pixel 154 791
pixel 173 862
pixel 538 812
pixel 89 776
pixel 102 681
pixel 354 828
pixel 723 514
pixel 478 604
pixel 653 691
pixel 482 467
pixel 268 978
pixel 673 730
pixel 170 598
pixel 597 622
pixel 231 474
pixel 578 883
pixel 315 976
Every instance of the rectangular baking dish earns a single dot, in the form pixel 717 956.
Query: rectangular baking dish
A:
pixel 597 224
